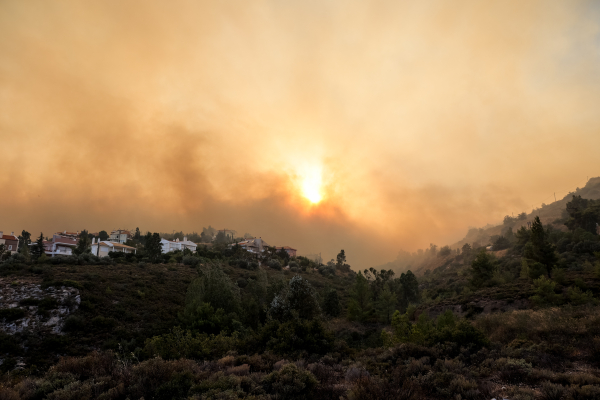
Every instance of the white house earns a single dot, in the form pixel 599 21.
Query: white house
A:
pixel 103 247
pixel 59 246
pixel 172 245
pixel 119 236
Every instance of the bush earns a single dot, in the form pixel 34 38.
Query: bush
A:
pixel 11 314
pixel 191 261
pixel 291 382
pixel 274 264
pixel 73 323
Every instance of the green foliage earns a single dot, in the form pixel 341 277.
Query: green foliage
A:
pixel 296 336
pixel 445 251
pixel 274 264
pixel 341 259
pixel 578 297
pixel 296 300
pixel 482 268
pixel 360 306
pixel 545 292
pixel 38 248
pixel 584 214
pixel 83 244
pixel 291 382
pixel 181 343
pixel 386 304
pixel 153 246
pixel 212 303
pixel 331 303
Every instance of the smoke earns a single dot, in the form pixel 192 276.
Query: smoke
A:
pixel 424 118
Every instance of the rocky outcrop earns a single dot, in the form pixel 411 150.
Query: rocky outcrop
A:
pixel 43 310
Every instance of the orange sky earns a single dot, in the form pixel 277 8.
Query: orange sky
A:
pixel 419 118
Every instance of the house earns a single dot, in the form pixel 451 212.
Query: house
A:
pixel 59 245
pixel 70 235
pixel 256 245
pixel 172 245
pixel 119 236
pixel 101 248
pixel 10 242
pixel 291 252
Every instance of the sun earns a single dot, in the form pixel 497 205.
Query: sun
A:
pixel 312 185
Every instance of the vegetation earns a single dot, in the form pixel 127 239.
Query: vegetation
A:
pixel 514 317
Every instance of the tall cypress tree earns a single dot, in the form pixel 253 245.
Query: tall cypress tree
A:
pixel 543 250
pixel 38 249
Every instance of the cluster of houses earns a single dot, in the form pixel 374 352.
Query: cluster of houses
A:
pixel 63 243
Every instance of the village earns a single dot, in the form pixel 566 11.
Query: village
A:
pixel 102 244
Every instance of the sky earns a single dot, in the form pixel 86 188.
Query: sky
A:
pixel 372 127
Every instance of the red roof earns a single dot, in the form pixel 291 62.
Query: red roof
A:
pixel 9 237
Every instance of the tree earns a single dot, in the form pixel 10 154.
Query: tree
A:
pixel 38 248
pixel 153 246
pixel 482 268
pixel 466 251
pixel 341 259
pixel 444 251
pixel 543 250
pixel 298 299
pixel 331 303
pixel 84 243
pixel 386 304
pixel 103 235
pixel 410 287
pixel 212 302
pixel 24 240
pixel 583 213
pixel 360 307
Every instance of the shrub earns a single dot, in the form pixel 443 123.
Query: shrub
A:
pixel 512 370
pixel 274 264
pixel 73 323
pixel 291 382
pixel 191 261
pixel 552 391
pixel 578 297
pixel 11 314
pixel 544 292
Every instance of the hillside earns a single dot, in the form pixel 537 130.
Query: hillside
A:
pixel 550 214
pixel 518 322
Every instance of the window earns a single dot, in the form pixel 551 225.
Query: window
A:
pixel 10 247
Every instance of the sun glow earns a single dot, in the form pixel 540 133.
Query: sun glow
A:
pixel 311 185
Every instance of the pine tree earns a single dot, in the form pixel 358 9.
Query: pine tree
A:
pixel 543 250
pixel 331 303
pixel 482 269
pixel 386 304
pixel 83 244
pixel 360 305
pixel 341 259
pixel 38 249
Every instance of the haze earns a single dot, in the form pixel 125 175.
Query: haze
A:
pixel 419 119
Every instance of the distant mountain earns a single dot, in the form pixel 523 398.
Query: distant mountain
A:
pixel 550 214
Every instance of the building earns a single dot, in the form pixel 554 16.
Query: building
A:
pixel 59 245
pixel 70 235
pixel 10 242
pixel 173 245
pixel 291 252
pixel 256 245
pixel 119 236
pixel 103 247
